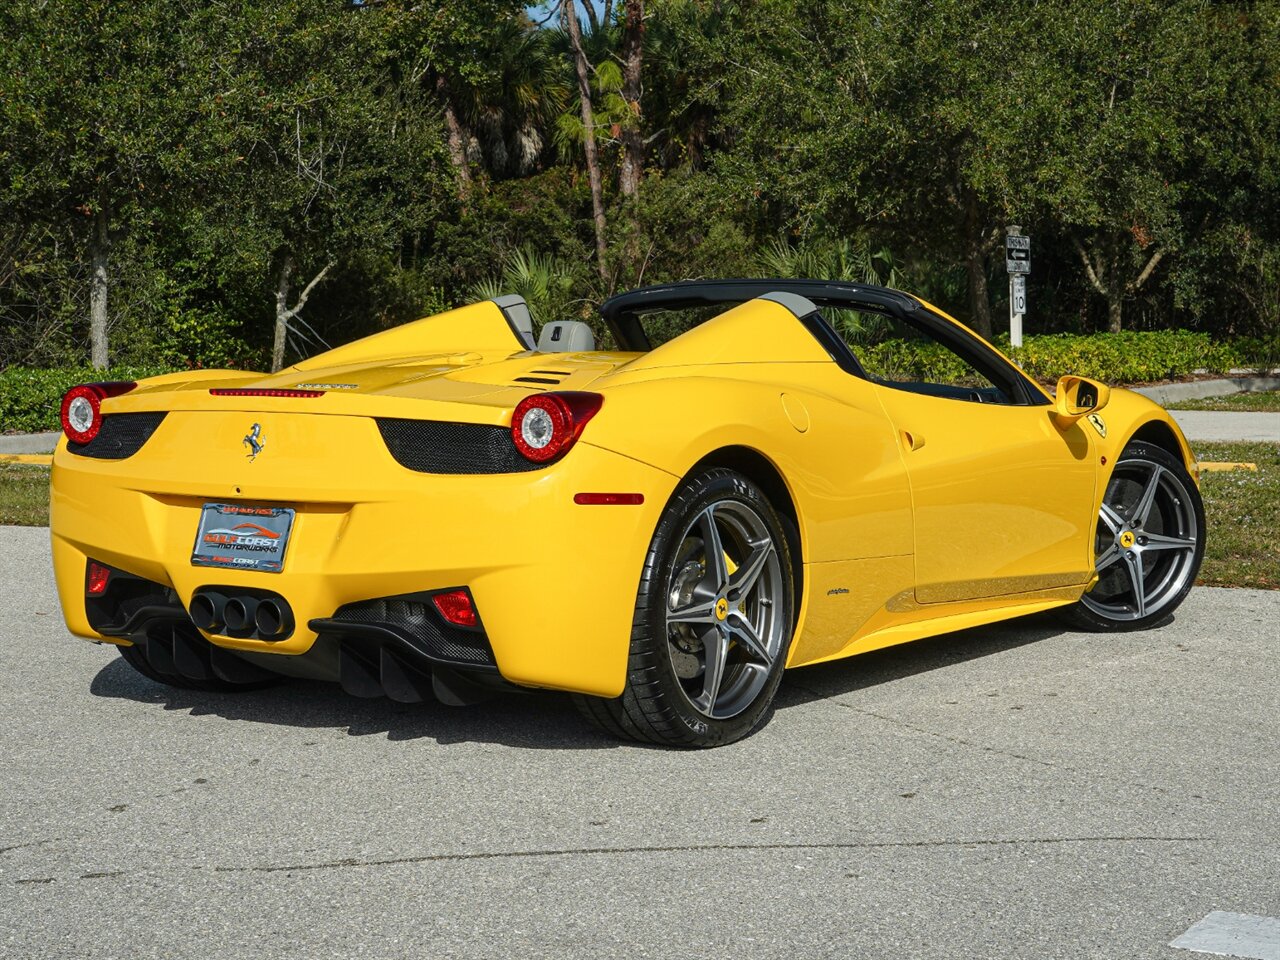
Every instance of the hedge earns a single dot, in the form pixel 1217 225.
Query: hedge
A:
pixel 1114 358
pixel 29 399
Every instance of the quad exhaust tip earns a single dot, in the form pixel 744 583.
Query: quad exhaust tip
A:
pixel 274 619
pixel 261 617
pixel 207 608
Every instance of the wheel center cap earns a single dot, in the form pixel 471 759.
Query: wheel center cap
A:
pixel 1126 539
pixel 722 608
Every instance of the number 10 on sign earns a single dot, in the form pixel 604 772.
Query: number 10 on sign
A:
pixel 1017 307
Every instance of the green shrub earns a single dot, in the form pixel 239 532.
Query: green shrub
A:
pixel 31 399
pixel 1116 358
pixel 1129 357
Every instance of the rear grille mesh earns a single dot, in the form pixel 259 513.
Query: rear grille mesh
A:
pixel 431 446
pixel 121 435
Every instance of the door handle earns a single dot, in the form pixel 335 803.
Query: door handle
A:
pixel 913 441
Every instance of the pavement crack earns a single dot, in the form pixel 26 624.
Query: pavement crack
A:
pixel 22 846
pixel 915 728
pixel 350 862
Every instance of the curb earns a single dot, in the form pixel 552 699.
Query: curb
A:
pixel 1167 393
pixel 40 459
pixel 30 443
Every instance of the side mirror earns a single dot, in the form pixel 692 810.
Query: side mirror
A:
pixel 1078 397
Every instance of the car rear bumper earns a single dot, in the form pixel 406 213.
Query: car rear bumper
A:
pixel 554 582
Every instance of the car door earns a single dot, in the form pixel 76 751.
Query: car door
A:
pixel 1001 495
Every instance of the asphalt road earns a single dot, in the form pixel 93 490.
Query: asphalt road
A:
pixel 1018 791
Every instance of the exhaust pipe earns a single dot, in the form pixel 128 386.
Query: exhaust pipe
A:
pixel 238 614
pixel 273 619
pixel 208 610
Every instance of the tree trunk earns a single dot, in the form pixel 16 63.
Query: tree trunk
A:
pixel 456 142
pixel 979 297
pixel 976 249
pixel 1106 274
pixel 632 167
pixel 1115 306
pixel 282 314
pixel 589 138
pixel 99 252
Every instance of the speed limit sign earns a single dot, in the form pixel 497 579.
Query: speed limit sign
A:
pixel 1019 294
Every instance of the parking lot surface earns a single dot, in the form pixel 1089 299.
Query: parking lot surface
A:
pixel 1014 791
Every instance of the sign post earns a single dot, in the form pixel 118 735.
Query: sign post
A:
pixel 1017 261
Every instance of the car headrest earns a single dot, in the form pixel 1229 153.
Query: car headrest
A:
pixel 566 336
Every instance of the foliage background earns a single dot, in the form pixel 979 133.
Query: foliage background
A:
pixel 405 157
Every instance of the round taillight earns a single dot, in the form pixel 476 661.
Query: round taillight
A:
pixel 82 408
pixel 545 425
pixel 81 414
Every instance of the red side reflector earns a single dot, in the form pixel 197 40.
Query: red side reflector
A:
pixel 248 392
pixel 96 578
pixel 609 499
pixel 456 607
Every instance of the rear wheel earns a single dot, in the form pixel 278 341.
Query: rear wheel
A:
pixel 713 621
pixel 1150 541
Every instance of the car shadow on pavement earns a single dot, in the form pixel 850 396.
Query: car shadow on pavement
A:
pixel 545 721
pixel 841 677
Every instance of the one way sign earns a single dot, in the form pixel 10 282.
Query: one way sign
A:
pixel 1017 254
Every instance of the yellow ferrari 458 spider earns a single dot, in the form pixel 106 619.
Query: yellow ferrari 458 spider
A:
pixel 757 477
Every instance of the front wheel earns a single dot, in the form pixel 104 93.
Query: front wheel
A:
pixel 1149 543
pixel 713 621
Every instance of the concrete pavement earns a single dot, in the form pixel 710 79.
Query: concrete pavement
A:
pixel 1226 425
pixel 1015 791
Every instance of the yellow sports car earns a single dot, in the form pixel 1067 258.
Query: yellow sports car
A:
pixel 763 474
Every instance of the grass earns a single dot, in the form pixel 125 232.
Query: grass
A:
pixel 1264 401
pixel 1242 513
pixel 24 495
pixel 1242 510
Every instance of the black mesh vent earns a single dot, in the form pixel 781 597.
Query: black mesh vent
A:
pixel 122 435
pixel 411 619
pixel 430 446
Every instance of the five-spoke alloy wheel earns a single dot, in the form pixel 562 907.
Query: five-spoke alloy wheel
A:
pixel 714 618
pixel 1150 541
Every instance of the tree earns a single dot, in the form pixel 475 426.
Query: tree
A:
pixel 1139 130
pixel 631 168
pixel 96 112
pixel 329 155
pixel 582 69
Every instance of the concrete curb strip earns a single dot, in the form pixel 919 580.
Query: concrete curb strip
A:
pixel 1167 393
pixel 29 443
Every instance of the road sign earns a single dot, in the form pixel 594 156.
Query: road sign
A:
pixel 1017 254
pixel 1019 294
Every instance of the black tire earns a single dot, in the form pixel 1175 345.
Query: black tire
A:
pixel 749 620
pixel 136 657
pixel 1163 547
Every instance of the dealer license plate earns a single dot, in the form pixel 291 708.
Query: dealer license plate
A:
pixel 242 537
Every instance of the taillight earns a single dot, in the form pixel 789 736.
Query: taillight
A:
pixel 96 578
pixel 546 425
pixel 263 392
pixel 456 607
pixel 82 408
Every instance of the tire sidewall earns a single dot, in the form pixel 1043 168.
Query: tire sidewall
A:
pixel 694 496
pixel 1139 450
